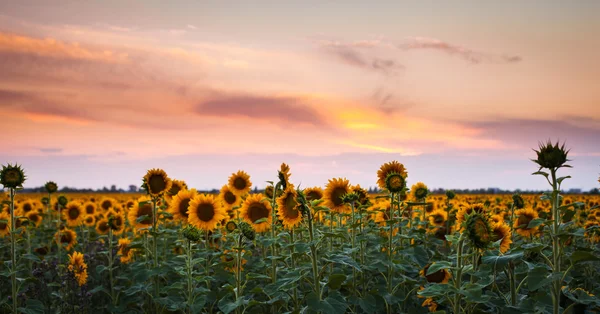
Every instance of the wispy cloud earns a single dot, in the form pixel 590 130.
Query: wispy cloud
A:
pixel 349 54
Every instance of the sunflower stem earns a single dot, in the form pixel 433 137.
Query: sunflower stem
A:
pixel 110 265
pixel 313 256
pixel 207 265
pixel 238 272
pixel 555 241
pixel 293 266
pixel 390 243
pixel 189 268
pixel 155 248
pixel 13 255
pixel 457 279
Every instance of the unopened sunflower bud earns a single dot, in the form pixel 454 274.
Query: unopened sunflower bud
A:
pixel 247 230
pixel 231 226
pixel 551 156
pixel 192 233
pixel 518 201
pixel 51 187
pixel 450 194
pixel 350 197
pixel 62 200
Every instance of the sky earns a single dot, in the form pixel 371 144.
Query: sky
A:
pixel 95 93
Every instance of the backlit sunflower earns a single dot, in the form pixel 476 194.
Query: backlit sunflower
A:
pixel 478 230
pixel 89 208
pixel 239 183
pixel 78 267
pixel 388 168
pixel 179 205
pixel 363 195
pixel 524 217
pixel 288 209
pixel 502 231
pixel 176 186
pixel 441 276
pixel 125 251
pixel 142 209
pixel 419 191
pixel 438 218
pixel 466 209
pixel 34 218
pixel 156 182
pixel 12 176
pixel 314 193
pixel 334 192
pixel 102 226
pixel 4 224
pixel 255 208
pixel 73 214
pixel 229 200
pixel 205 212
pixel 89 220
pixel 66 238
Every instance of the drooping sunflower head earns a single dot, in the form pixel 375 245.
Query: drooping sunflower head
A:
pixel 257 211
pixel 176 186
pixel 551 156
pixel 66 238
pixel 191 233
pixel 478 230
pixel 62 201
pixel 78 267
pixel 239 183
pixel 521 224
pixel 125 251
pixel 247 231
pixel 73 214
pixel 116 221
pixel 284 175
pixel 156 182
pixel 438 218
pixel 334 193
pixel 386 169
pixel 4 224
pixel 314 193
pixel 179 205
pixel 502 232
pixel 12 177
pixel 518 201
pixel 419 191
pixel 288 209
pixel 441 276
pixel 205 212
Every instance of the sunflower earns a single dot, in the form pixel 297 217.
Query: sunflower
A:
pixel 388 168
pixel 179 205
pixel 125 251
pixel 26 207
pixel 430 304
pixel 502 231
pixel 228 258
pixel 102 226
pixel 229 200
pixel 51 187
pixel 592 232
pixel 176 186
pixel 73 214
pixel 4 224
pixel 255 208
pixel 288 209
pixel 89 208
pixel 497 219
pixel 156 182
pixel 205 212
pixel 66 238
pixel 438 218
pixel 34 217
pixel 524 217
pixel 78 267
pixel 441 276
pixel 284 175
pixel 239 183
pixel 106 203
pixel 465 210
pixel 419 191
pixel 314 193
pixel 144 208
pixel 116 221
pixel 12 176
pixel 334 192
pixel 269 190
pixel 89 220
pixel 478 230
pixel 363 195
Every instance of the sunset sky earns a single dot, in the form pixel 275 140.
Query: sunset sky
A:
pixel 94 93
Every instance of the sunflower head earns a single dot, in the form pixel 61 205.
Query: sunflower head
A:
pixel 257 211
pixel 205 212
pixel 116 221
pixel 247 230
pixel 350 198
pixel 231 226
pixel 78 267
pixel 518 201
pixel 73 214
pixel 176 186
pixel 501 231
pixel 180 204
pixel 478 230
pixel 156 182
pixel 89 220
pixel 269 190
pixel 62 200
pixel 314 193
pixel 4 224
pixel 551 156
pixel 450 194
pixel 419 191
pixel 12 177
pixel 395 182
pixel 228 199
pixel 192 233
pixel 386 169
pixel 441 276
pixel 288 208
pixel 284 175
pixel 51 187
pixel 239 183
pixel 438 218
pixel 521 224
pixel 334 193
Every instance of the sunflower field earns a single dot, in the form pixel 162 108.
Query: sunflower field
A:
pixel 336 249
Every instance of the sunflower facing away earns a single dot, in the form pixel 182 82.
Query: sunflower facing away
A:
pixel 73 214
pixel 387 169
pixel 255 208
pixel 441 276
pixel 502 232
pixel 66 238
pixel 78 268
pixel 478 230
pixel 179 205
pixel 205 212
pixel 157 182
pixel 125 251
pixel 465 210
pixel 419 191
pixel 524 217
pixel 239 183
pixel 334 191
pixel 438 218
pixel 4 224
pixel 288 209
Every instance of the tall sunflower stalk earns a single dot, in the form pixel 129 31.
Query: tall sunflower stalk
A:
pixel 192 235
pixel 273 225
pixel 554 157
pixel 306 211
pixel 110 265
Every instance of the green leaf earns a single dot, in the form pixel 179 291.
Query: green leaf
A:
pixel 229 306
pixel 542 173
pixel 437 266
pixel 583 256
pixel 561 179
pixel 368 304
pixel 502 260
pixel 536 222
pixel 336 281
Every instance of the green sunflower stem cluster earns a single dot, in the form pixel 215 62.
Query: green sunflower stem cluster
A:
pixel 13 252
